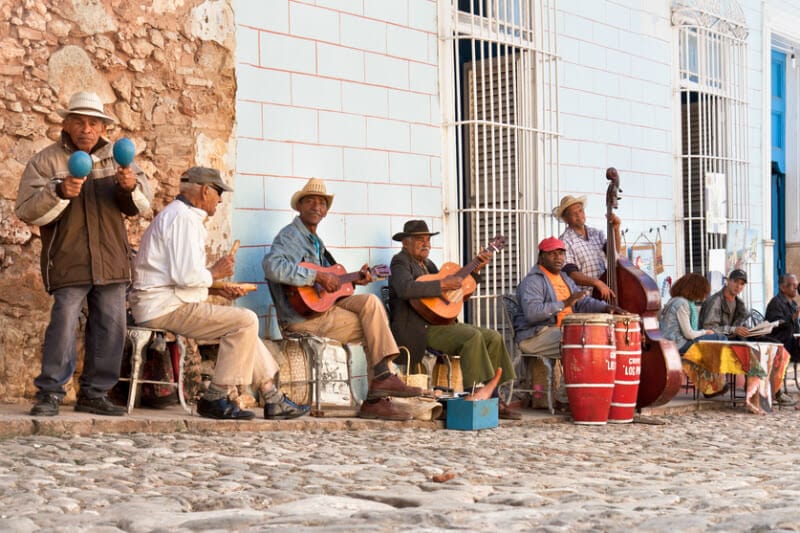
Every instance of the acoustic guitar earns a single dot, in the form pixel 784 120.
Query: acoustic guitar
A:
pixel 443 310
pixel 312 300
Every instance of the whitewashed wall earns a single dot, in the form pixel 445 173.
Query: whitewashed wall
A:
pixel 616 108
pixel 344 90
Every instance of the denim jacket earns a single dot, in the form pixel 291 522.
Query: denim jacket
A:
pixel 539 307
pixel 293 244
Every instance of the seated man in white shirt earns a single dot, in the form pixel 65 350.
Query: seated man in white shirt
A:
pixel 171 286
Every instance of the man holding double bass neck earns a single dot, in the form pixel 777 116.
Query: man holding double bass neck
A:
pixel 483 352
pixel 298 259
pixel 586 246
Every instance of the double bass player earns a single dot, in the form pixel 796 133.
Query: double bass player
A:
pixel 586 246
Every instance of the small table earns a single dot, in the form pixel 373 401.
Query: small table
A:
pixel 752 359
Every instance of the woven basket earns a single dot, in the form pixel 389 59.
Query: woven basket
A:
pixel 440 374
pixel 413 380
pixel 294 372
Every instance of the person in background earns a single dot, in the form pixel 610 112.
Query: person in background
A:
pixel 725 312
pixel 784 309
pixel 85 254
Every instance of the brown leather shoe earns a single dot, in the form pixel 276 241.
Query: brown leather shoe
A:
pixel 384 409
pixel 507 413
pixel 391 386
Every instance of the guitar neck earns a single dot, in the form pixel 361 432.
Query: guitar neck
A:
pixel 350 277
pixel 466 270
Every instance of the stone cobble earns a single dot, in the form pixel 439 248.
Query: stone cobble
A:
pixel 717 470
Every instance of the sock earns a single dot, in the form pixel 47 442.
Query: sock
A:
pixel 215 392
pixel 273 395
pixel 382 369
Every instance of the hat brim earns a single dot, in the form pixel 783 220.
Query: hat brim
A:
pixel 402 235
pixel 63 113
pixel 299 195
pixel 559 211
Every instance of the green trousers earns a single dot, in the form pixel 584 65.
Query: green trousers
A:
pixel 482 351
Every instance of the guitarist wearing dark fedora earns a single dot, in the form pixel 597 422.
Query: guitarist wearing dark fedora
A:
pixel 482 350
pixel 298 263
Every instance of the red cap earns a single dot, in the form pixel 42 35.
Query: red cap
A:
pixel 551 243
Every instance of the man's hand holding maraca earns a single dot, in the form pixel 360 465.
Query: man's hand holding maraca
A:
pixel 124 152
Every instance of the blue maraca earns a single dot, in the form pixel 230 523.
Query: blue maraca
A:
pixel 80 164
pixel 124 150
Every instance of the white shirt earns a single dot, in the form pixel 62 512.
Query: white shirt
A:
pixel 169 269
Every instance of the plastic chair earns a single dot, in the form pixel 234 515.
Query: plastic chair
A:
pixel 510 307
pixel 140 338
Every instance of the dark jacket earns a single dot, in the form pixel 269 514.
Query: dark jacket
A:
pixel 84 240
pixel 714 315
pixel 408 327
pixel 782 308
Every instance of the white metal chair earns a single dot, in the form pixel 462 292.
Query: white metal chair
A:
pixel 510 307
pixel 140 338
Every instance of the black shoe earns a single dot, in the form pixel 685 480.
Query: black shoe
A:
pixel 46 405
pixel 285 409
pixel 99 406
pixel 222 409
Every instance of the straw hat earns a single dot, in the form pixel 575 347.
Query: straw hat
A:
pixel 314 187
pixel 566 202
pixel 85 103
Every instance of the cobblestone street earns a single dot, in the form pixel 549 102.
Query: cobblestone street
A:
pixel 710 470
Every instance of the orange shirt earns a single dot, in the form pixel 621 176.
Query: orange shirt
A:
pixel 562 293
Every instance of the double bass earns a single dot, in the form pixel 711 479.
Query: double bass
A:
pixel 638 293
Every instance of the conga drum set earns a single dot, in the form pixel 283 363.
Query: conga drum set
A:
pixel 601 357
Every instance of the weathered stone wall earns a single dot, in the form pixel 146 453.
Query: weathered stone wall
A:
pixel 164 68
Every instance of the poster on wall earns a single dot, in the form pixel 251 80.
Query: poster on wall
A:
pixel 643 257
pixel 716 203
pixel 735 249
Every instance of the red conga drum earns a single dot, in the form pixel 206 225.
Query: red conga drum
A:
pixel 588 355
pixel 628 336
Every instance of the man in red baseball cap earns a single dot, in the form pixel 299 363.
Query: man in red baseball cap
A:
pixel 545 296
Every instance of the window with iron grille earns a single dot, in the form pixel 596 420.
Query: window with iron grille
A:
pixel 501 120
pixel 712 89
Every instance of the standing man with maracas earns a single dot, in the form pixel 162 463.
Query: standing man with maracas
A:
pixel 77 195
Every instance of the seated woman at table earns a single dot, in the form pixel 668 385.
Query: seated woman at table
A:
pixel 678 323
pixel 678 318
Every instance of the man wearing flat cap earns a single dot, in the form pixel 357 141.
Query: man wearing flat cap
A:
pixel 586 246
pixel 355 318
pixel 171 286
pixel 545 296
pixel 482 350
pixel 85 254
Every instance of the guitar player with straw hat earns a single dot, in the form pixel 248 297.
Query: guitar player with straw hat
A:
pixel 299 260
pixel 484 357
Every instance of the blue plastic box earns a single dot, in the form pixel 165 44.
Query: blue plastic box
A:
pixel 471 415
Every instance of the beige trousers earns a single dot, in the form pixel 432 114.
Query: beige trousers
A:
pixel 242 358
pixel 358 319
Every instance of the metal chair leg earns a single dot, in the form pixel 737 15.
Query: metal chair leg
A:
pixel 548 365
pixel 140 338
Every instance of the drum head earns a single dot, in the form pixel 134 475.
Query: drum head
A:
pixel 588 318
